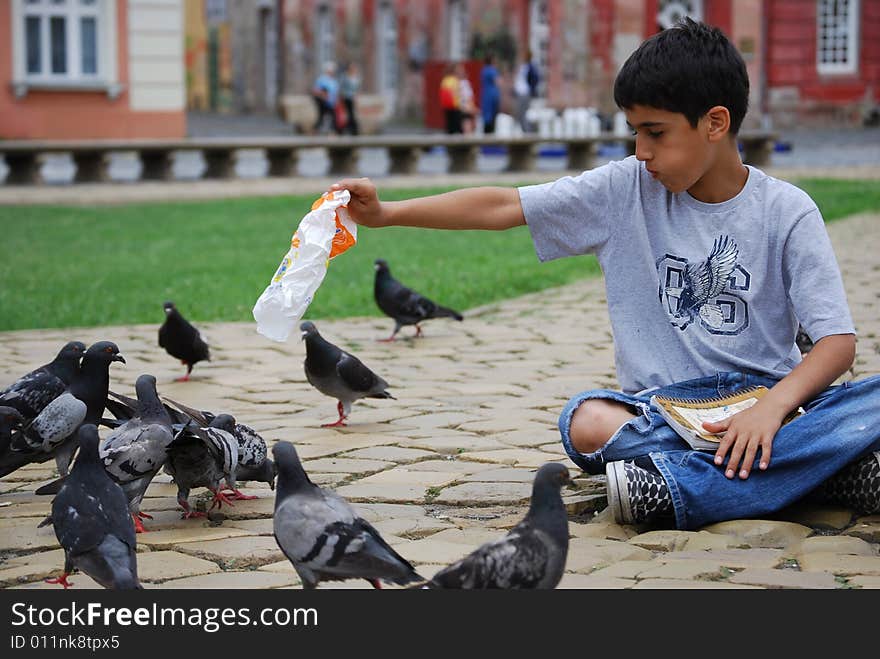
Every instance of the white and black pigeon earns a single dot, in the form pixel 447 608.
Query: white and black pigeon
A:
pixel 203 457
pixel 91 521
pixel 531 555
pixel 323 537
pixel 32 392
pixel 134 452
pixel 403 304
pixel 338 374
pixel 182 341
pixel 254 464
pixel 52 434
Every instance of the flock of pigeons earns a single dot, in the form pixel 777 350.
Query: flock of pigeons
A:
pixel 55 410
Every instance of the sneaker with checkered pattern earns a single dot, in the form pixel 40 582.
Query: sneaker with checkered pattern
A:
pixel 855 486
pixel 637 495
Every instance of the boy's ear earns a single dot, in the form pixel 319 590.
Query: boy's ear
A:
pixel 718 122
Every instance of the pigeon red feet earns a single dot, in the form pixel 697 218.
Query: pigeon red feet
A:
pixel 188 513
pixel 376 583
pixel 138 524
pixel 61 580
pixel 388 340
pixel 418 331
pixel 144 515
pixel 220 499
pixel 340 422
pixel 184 378
pixel 239 496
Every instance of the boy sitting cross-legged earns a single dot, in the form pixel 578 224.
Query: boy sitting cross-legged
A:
pixel 709 267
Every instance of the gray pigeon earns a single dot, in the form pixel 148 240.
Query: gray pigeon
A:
pixel 323 537
pixel 253 461
pixel 338 374
pixel 135 452
pixel 531 555
pixel 32 392
pixel 52 434
pixel 203 457
pixel 91 521
pixel 403 304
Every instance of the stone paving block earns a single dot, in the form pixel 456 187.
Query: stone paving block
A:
pixel 375 512
pixel 345 465
pixel 866 530
pixel 472 537
pixel 838 544
pixel 468 494
pixel 405 476
pixel 251 526
pixel 733 558
pixel 449 464
pixel 235 552
pixel 527 439
pixel 418 527
pixel 230 579
pixel 572 581
pixel 841 564
pixel 22 534
pixel 431 550
pixel 702 540
pixel 662 540
pixel 453 444
pixel 628 569
pixel 784 579
pixel 513 457
pixel 602 530
pixel 696 569
pixel 587 554
pixel 390 454
pixel 383 492
pixel 502 475
pixel 197 531
pixel 760 532
pixel 163 565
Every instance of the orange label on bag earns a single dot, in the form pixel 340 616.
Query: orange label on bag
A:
pixel 342 239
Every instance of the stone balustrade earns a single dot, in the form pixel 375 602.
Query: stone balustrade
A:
pixel 92 158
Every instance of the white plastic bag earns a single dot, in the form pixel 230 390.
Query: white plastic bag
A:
pixel 323 233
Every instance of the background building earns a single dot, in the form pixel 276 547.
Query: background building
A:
pixel 78 69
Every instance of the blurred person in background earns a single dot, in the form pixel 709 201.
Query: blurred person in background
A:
pixel 348 89
pixel 489 94
pixel 466 100
pixel 326 93
pixel 450 100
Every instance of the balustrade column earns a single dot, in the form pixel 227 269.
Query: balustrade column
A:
pixel 91 166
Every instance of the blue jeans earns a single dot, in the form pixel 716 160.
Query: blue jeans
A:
pixel 841 425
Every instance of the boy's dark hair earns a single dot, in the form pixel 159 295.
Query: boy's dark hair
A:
pixel 688 68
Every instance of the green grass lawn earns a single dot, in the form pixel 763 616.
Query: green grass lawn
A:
pixel 110 265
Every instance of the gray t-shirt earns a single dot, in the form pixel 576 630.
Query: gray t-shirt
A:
pixel 694 288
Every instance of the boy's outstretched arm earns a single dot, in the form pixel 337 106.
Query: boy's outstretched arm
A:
pixel 755 428
pixel 491 208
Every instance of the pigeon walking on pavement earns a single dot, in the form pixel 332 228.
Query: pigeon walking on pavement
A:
pixel 181 340
pixel 323 537
pixel 91 521
pixel 32 392
pixel 52 434
pixel 531 555
pixel 253 461
pixel 203 457
pixel 338 374
pixel 403 304
pixel 135 451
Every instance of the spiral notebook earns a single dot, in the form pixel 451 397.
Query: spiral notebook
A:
pixel 687 415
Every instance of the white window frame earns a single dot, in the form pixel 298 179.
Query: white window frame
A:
pixel 851 65
pixel 106 76
pixel 670 11
pixel 457 28
pixel 386 59
pixel 325 45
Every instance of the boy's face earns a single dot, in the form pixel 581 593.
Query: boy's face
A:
pixel 674 152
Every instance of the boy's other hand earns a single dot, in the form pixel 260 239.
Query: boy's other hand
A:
pixel 742 435
pixel 364 207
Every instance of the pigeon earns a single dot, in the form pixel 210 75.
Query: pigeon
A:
pixel 32 392
pixel 181 340
pixel 90 518
pixel 531 555
pixel 52 434
pixel 403 304
pixel 10 420
pixel 323 537
pixel 135 451
pixel 253 461
pixel 203 457
pixel 337 374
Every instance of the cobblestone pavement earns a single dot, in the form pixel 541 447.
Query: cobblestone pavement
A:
pixel 449 464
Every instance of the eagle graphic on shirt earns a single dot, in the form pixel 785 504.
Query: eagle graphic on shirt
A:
pixel 702 282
